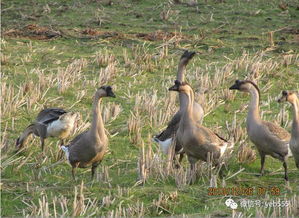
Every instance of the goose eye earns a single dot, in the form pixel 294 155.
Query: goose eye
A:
pixel 284 93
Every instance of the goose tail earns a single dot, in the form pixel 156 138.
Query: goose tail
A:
pixel 226 146
pixel 66 151
pixel 290 154
pixel 223 149
pixel 164 145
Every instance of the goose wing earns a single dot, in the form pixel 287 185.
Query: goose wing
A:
pixel 200 140
pixel 209 136
pixel 171 129
pixel 77 138
pixel 81 149
pixel 277 131
pixel 49 115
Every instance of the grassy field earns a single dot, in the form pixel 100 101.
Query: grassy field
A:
pixel 56 53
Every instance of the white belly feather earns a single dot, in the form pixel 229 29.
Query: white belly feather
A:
pixel 55 128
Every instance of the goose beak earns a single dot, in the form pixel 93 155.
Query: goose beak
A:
pixel 235 86
pixel 281 99
pixel 284 97
pixel 111 94
pixel 174 88
pixel 188 55
pixel 17 143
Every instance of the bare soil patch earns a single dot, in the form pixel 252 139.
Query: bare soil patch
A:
pixel 33 31
pixel 102 34
pixel 160 35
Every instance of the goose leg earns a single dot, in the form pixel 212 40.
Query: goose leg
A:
pixel 42 140
pixel 73 170
pixel 73 173
pixel 192 174
pixel 177 163
pixel 93 169
pixel 181 158
pixel 219 166
pixel 192 162
pixel 41 131
pixel 263 158
pixel 285 170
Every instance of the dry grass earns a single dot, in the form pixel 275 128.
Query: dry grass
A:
pixel 135 127
pixel 290 211
pixel 110 111
pixel 108 67
pixel 149 105
pixel 245 153
pixel 70 75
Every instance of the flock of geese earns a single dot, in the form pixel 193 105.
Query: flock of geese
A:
pixel 185 130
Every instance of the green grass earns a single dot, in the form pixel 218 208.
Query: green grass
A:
pixel 220 32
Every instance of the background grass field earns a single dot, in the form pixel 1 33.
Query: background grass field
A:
pixel 56 53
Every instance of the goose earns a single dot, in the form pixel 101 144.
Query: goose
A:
pixel 89 147
pixel 50 122
pixel 292 98
pixel 269 138
pixel 198 142
pixel 165 138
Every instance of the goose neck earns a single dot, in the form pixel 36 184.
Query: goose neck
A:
pixel 295 125
pixel 254 112
pixel 97 126
pixel 183 98
pixel 189 104
pixel 180 74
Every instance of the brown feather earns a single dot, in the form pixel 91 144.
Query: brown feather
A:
pixel 278 131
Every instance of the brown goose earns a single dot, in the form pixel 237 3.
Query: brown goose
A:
pixel 198 142
pixel 50 122
pixel 89 147
pixel 269 138
pixel 165 137
pixel 292 98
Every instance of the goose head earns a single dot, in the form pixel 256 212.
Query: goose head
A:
pixel 287 96
pixel 180 87
pixel 18 144
pixel 244 86
pixel 187 56
pixel 104 91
